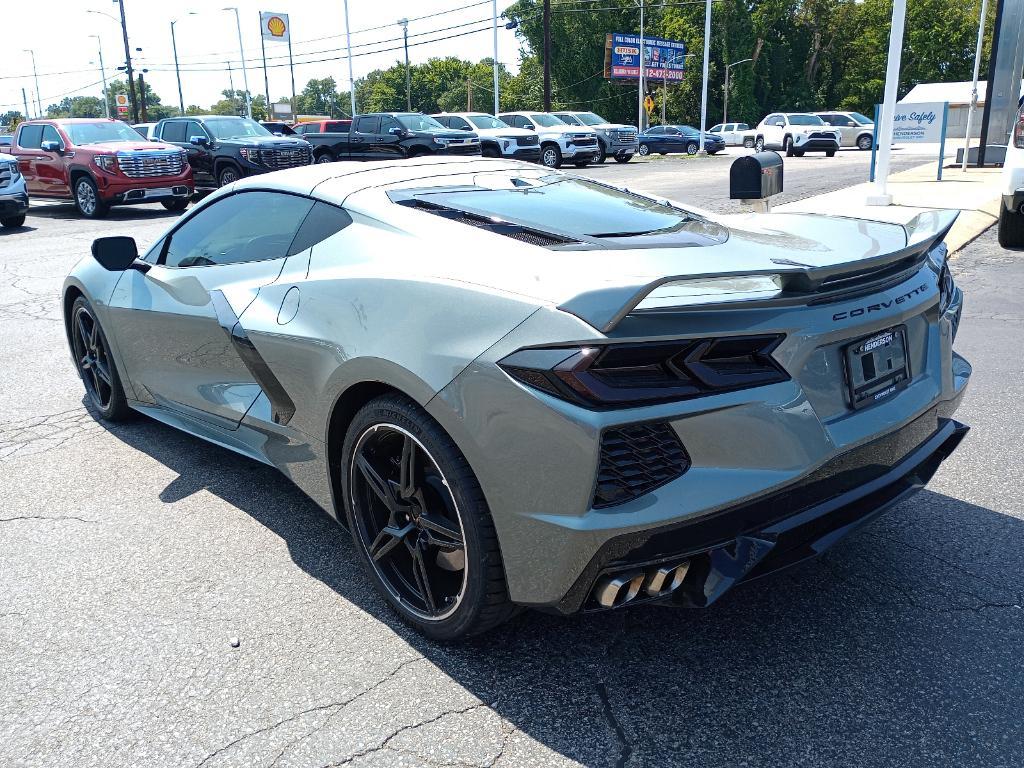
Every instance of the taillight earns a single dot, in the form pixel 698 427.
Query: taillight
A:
pixel 624 375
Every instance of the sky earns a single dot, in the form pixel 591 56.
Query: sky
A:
pixel 67 60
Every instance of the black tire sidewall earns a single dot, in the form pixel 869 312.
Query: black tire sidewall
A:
pixel 13 222
pixel 101 208
pixel 473 512
pixel 117 409
pixel 1010 230
pixel 227 169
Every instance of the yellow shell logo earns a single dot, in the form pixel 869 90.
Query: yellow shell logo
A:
pixel 275 25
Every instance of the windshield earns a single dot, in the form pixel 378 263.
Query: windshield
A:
pixel 235 128
pixel 96 133
pixel 486 121
pixel 805 120
pixel 546 121
pixel 420 123
pixel 862 119
pixel 589 118
pixel 577 207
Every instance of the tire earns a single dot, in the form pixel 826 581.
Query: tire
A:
pixel 393 523
pixel 643 150
pixel 324 157
pixel 177 205
pixel 798 153
pixel 1011 228
pixel 748 143
pixel 13 222
pixel 490 152
pixel 95 364
pixel 787 146
pixel 692 148
pixel 623 158
pixel 227 174
pixel 759 144
pixel 830 153
pixel 87 199
pixel 602 154
pixel 864 142
pixel 551 156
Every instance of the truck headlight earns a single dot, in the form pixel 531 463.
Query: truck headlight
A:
pixel 252 155
pixel 15 170
pixel 106 162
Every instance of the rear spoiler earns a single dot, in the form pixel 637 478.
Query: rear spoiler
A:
pixel 605 307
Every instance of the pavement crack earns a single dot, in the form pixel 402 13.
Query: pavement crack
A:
pixel 625 749
pixel 332 708
pixel 46 517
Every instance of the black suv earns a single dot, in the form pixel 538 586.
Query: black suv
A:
pixel 222 149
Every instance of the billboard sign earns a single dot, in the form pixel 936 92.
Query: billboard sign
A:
pixel 918 123
pixel 663 59
pixel 275 26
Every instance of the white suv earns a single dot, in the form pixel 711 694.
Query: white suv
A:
pixel 558 141
pixel 796 133
pixel 497 138
pixel 1011 212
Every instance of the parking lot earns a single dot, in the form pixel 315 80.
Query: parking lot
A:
pixel 165 602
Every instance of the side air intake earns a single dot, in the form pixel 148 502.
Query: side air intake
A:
pixel 635 460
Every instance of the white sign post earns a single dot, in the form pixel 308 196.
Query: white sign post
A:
pixel 916 124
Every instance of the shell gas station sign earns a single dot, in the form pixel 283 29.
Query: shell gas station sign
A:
pixel 275 26
pixel 121 100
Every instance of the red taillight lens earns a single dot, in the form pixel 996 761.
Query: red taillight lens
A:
pixel 624 375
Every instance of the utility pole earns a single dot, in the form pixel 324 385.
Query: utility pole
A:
pixel 664 98
pixel 974 85
pixel 725 107
pixel 547 55
pixel 404 23
pixel 103 77
pixel 351 80
pixel 35 75
pixel 494 12
pixel 177 72
pixel 640 84
pixel 128 64
pixel 24 100
pixel 142 91
pixel 704 85
pixel 231 80
pixel 469 94
pixel 245 72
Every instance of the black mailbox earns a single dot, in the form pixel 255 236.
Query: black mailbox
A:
pixel 756 177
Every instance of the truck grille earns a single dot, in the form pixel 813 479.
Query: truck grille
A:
pixel 584 140
pixel 461 149
pixel 627 136
pixel 148 164
pixel 527 141
pixel 276 159
pixel 822 135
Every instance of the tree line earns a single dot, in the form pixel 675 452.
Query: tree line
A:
pixel 806 55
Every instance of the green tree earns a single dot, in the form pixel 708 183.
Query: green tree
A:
pixel 233 103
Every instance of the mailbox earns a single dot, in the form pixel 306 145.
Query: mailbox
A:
pixel 756 177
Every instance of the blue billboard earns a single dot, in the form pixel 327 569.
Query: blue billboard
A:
pixel 663 59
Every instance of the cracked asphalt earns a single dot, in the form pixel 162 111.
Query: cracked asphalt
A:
pixel 134 558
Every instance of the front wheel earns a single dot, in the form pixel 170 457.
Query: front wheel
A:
pixel 643 150
pixel 787 146
pixel 324 157
pixel 864 142
pixel 87 199
pixel 759 144
pixel 691 148
pixel 748 143
pixel 830 153
pixel 551 156
pixel 623 158
pixel 420 522
pixel 13 222
pixel 177 205
pixel 1011 228
pixel 602 155
pixel 228 175
pixel 95 364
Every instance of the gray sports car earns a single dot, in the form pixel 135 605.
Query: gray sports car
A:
pixel 517 387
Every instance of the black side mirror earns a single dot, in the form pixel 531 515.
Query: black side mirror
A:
pixel 396 131
pixel 199 141
pixel 51 146
pixel 115 253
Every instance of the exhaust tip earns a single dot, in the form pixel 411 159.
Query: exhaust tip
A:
pixel 613 591
pixel 665 579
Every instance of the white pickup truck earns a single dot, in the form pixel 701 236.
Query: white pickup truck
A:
pixel 1011 213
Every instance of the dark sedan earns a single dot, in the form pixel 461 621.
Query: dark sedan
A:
pixel 664 139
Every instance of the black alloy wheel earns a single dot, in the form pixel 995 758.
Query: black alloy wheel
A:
pixel 408 522
pixel 228 174
pixel 97 368
pixel 759 144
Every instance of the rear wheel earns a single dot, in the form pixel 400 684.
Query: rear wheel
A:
pixel 748 143
pixel 1011 228
pixel 864 142
pixel 95 364
pixel 420 522
pixel 87 199
pixel 177 204
pixel 12 222
pixel 551 156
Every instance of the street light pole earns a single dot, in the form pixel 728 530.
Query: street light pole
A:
pixel 35 75
pixel 704 85
pixel 103 76
pixel 245 73
pixel 494 14
pixel 892 79
pixel 351 80
pixel 640 84
pixel 974 85
pixel 404 23
pixel 725 106
pixel 177 71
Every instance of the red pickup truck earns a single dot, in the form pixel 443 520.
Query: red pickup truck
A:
pixel 100 163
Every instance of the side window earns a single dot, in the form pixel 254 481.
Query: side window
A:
pixel 718 128
pixel 459 124
pixel 443 120
pixel 777 120
pixel 387 123
pixel 841 120
pixel 247 226
pixel 50 134
pixel 30 136
pixel 336 126
pixel 367 124
pixel 742 127
pixel 194 128
pixel 322 221
pixel 300 129
pixel 173 131
pixel 656 131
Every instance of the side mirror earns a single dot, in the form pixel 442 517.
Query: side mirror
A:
pixel 465 128
pixel 199 141
pixel 51 146
pixel 396 131
pixel 530 127
pixel 115 254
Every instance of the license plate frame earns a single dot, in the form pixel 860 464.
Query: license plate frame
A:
pixel 877 367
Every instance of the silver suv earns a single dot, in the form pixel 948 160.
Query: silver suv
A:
pixel 574 144
pixel 614 139
pixel 855 129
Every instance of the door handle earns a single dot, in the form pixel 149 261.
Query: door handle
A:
pixel 380 141
pixel 356 140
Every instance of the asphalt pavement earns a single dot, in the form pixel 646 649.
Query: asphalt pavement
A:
pixel 164 602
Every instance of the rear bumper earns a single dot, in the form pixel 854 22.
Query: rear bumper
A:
pixel 771 533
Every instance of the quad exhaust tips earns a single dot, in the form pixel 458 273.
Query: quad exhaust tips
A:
pixel 614 590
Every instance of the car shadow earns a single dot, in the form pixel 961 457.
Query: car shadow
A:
pixel 51 210
pixel 904 640
pixel 12 231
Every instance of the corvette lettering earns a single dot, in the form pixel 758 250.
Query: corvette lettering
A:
pixel 881 305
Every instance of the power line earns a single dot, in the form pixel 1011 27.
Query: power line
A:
pixel 59 97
